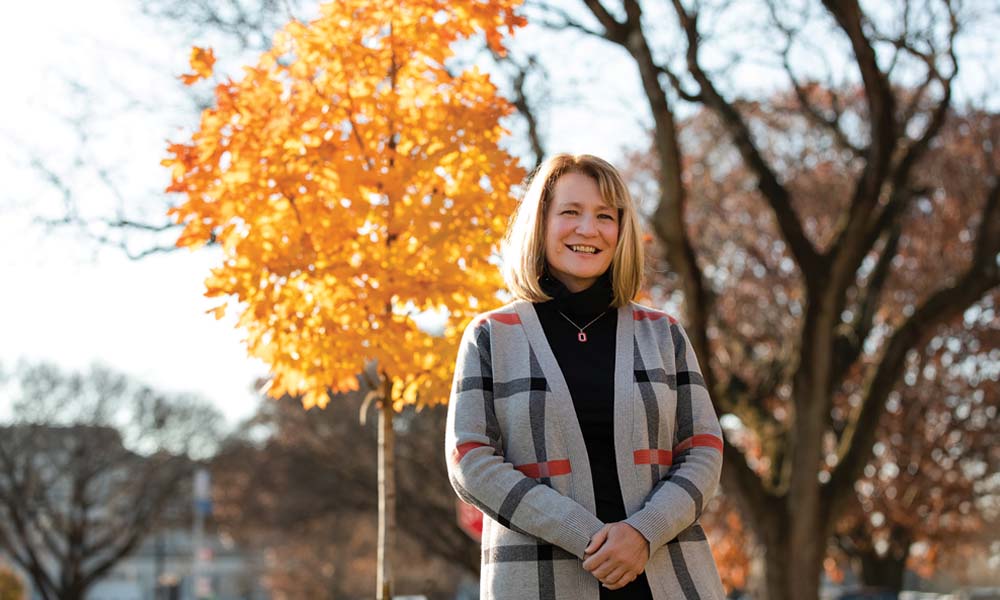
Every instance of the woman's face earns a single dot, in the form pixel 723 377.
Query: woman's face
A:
pixel 577 217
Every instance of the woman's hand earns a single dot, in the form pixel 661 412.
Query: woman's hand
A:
pixel 617 554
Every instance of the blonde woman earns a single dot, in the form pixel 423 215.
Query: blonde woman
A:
pixel 579 422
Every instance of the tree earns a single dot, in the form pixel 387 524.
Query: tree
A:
pixel 928 485
pixel 89 466
pixel 816 244
pixel 353 181
pixel 269 497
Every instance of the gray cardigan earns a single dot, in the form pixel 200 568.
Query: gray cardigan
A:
pixel 515 450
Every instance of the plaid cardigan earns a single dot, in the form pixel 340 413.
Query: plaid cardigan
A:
pixel 515 450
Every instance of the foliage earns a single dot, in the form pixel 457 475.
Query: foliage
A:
pixel 352 182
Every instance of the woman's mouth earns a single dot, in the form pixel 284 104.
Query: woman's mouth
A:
pixel 583 249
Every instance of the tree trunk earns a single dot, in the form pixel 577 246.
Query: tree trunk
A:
pixel 791 573
pixel 791 570
pixel 73 592
pixel 386 495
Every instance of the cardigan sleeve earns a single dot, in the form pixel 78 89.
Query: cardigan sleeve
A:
pixel 677 500
pixel 476 466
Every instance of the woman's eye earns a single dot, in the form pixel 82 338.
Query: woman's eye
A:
pixel 608 217
pixel 569 212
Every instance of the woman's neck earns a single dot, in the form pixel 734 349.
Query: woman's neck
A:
pixel 590 301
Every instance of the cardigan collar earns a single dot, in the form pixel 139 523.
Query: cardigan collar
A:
pixel 588 302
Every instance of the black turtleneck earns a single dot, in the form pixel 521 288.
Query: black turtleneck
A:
pixel 589 370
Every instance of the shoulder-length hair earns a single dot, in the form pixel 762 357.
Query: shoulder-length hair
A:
pixel 523 245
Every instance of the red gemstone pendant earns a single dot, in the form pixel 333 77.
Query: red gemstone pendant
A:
pixel 581 336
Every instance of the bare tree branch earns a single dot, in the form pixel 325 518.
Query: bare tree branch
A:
pixel 811 110
pixel 613 30
pixel 850 342
pixel 982 275
pixel 565 20
pixel 678 87
pixel 810 263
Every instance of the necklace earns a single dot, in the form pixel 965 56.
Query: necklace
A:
pixel 581 336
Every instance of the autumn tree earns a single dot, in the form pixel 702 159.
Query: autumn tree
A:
pixel 925 486
pixel 353 181
pixel 827 197
pixel 90 465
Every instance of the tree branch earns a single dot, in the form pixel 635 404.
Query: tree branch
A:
pixel 982 276
pixel 566 20
pixel 678 87
pixel 879 97
pixel 812 112
pixel 613 30
pixel 810 263
pixel 850 341
pixel 520 100
pixel 855 240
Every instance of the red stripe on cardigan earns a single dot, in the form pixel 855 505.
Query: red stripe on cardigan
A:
pixel 463 449
pixel 549 468
pixel 652 315
pixel 505 318
pixel 702 440
pixel 653 456
pixel 657 456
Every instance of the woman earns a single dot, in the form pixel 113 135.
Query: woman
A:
pixel 579 422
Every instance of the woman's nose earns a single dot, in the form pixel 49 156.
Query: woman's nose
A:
pixel 586 225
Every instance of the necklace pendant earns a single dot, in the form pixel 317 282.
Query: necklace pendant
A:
pixel 581 336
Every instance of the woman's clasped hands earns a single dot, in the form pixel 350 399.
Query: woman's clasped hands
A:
pixel 617 554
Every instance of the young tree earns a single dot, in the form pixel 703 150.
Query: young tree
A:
pixel 267 495
pixel 353 181
pixel 89 466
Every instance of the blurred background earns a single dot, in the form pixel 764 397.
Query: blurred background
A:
pixel 819 186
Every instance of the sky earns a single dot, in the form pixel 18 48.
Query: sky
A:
pixel 103 67
pixel 66 300
pixel 71 302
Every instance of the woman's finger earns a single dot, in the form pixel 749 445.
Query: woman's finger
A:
pixel 606 569
pixel 598 540
pixel 625 579
pixel 614 576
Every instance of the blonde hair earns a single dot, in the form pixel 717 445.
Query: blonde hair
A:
pixel 523 245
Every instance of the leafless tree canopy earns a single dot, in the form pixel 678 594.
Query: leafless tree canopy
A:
pixel 90 465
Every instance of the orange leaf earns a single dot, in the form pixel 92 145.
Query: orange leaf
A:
pixel 202 60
